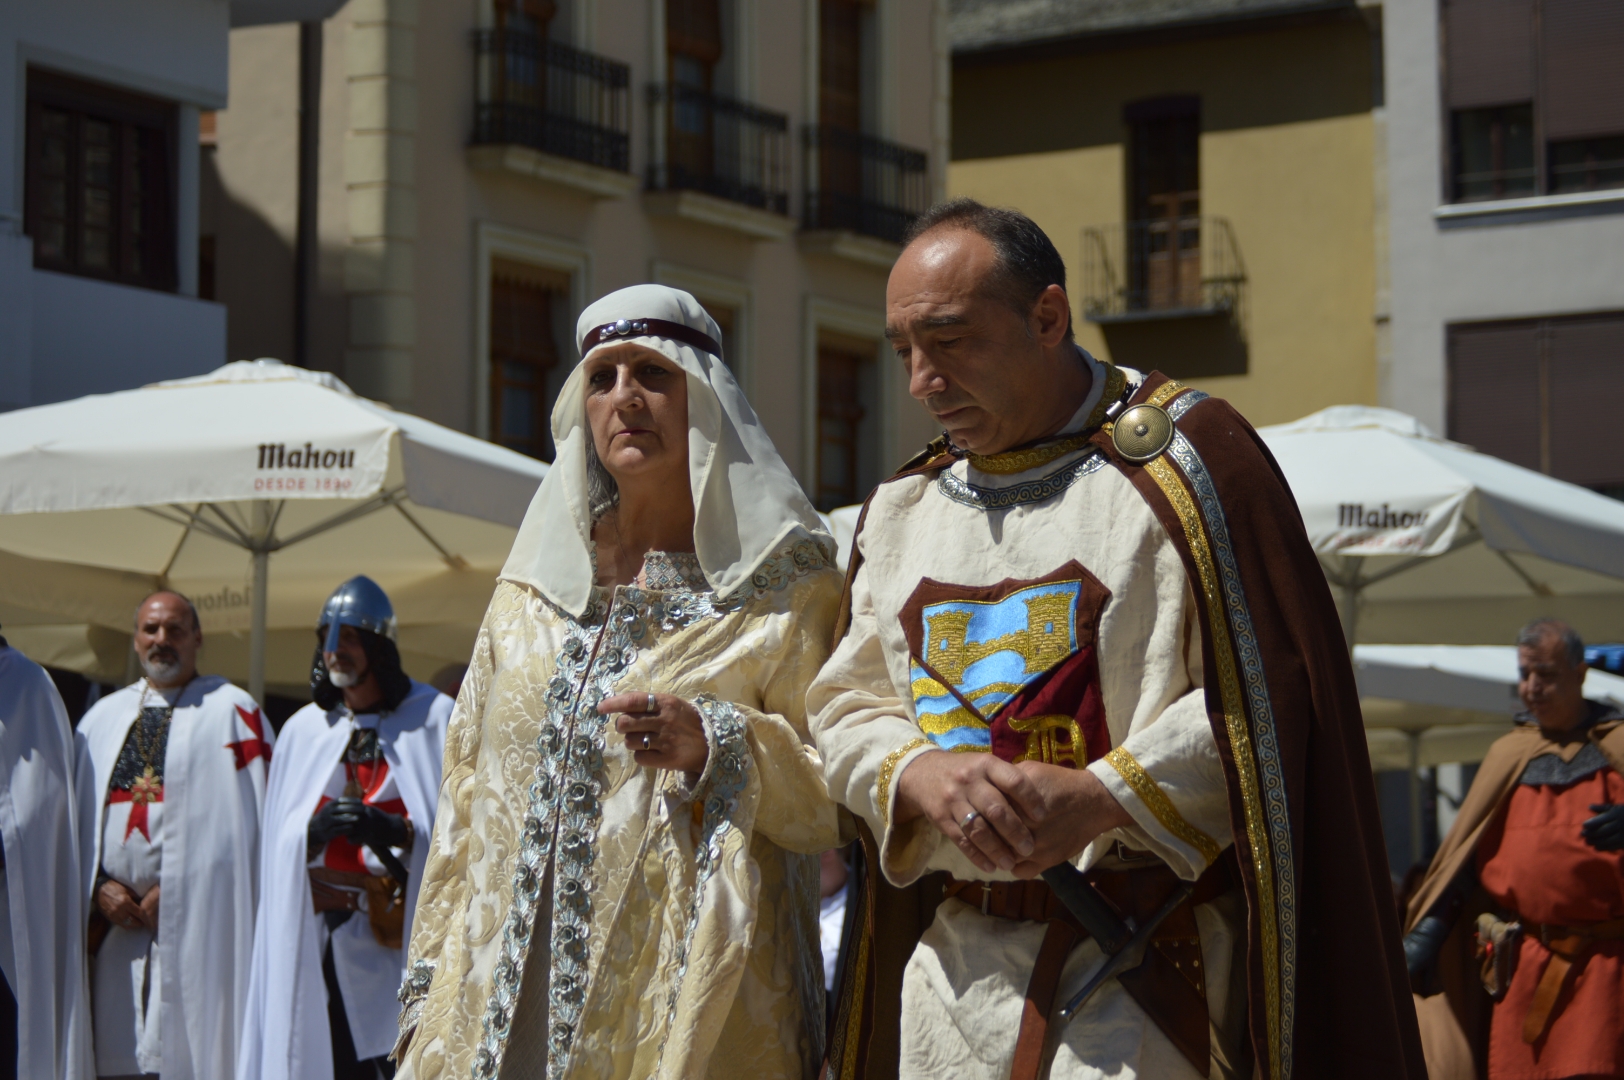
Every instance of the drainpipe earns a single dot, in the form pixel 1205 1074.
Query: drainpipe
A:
pixel 306 245
pixel 381 198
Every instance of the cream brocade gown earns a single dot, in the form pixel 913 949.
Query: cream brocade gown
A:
pixel 683 919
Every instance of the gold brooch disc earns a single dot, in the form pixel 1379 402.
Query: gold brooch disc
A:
pixel 1142 432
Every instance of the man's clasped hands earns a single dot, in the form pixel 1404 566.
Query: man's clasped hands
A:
pixel 1021 818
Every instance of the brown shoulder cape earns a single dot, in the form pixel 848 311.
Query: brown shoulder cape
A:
pixel 1328 993
pixel 1455 1023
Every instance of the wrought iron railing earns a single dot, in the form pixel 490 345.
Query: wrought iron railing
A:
pixel 532 91
pixel 703 142
pixel 867 185
pixel 1186 265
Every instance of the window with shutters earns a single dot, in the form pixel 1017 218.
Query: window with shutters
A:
pixel 1164 231
pixel 99 183
pixel 847 420
pixel 1535 93
pixel 1543 393
pixel 528 306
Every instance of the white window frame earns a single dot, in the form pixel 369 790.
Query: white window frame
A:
pixel 851 320
pixel 728 292
pixel 492 242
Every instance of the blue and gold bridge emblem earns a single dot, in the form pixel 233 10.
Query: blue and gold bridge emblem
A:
pixel 1012 673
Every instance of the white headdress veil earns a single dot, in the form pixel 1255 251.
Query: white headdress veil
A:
pixel 747 504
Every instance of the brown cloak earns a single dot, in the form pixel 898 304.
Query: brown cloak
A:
pixel 1328 993
pixel 1455 1023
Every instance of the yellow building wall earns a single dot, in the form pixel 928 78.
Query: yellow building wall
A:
pixel 1286 156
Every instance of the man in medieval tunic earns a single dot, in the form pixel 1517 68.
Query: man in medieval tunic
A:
pixel 170 777
pixel 1085 627
pixel 1516 934
pixel 348 814
pixel 42 942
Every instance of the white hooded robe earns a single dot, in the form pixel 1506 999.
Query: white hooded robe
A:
pixel 42 940
pixel 214 792
pixel 286 1034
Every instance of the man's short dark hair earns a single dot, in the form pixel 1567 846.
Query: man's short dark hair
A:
pixel 1027 261
pixel 1539 631
pixel 197 624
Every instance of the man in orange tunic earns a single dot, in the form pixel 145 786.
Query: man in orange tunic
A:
pixel 1536 845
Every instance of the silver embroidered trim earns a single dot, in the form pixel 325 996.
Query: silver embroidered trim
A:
pixel 1028 491
pixel 728 775
pixel 1184 402
pixel 414 988
pixel 664 570
pixel 1266 744
pixel 565 797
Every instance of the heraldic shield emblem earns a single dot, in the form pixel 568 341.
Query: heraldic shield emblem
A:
pixel 1010 668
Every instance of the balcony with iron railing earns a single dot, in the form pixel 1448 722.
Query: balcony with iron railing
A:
pixel 1160 269
pixel 704 143
pixel 1168 294
pixel 550 99
pixel 861 184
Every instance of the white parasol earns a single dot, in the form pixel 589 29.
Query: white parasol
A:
pixel 194 484
pixel 1427 540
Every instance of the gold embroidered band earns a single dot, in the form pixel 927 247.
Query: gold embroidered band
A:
pixel 1240 740
pixel 1011 462
pixel 1155 799
pixel 882 782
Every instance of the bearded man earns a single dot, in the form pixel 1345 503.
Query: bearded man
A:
pixel 171 784
pixel 347 821
pixel 42 941
pixel 1086 637
pixel 1516 934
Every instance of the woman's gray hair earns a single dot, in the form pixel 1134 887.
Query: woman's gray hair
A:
pixel 602 493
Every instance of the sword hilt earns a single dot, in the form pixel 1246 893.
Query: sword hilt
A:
pixel 1096 914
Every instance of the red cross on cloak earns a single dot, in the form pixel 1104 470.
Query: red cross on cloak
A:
pixel 246 750
pixel 146 789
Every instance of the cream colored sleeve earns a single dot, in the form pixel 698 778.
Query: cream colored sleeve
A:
pixel 796 811
pixel 867 736
pixel 442 896
pixel 1168 776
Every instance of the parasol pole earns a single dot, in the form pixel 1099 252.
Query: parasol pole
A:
pixel 1414 740
pixel 1351 585
pixel 260 600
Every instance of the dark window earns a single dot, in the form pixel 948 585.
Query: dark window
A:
pixel 100 187
pixel 693 39
pixel 525 310
pixel 1542 393
pixel 1535 96
pixel 1164 231
pixel 521 33
pixel 1493 152
pixel 846 422
pixel 1587 164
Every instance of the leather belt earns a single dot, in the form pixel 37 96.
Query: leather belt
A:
pixel 1568 946
pixel 1169 986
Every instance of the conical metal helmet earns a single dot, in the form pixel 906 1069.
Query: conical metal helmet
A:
pixel 360 603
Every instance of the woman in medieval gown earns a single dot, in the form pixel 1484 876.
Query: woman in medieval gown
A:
pixel 623 878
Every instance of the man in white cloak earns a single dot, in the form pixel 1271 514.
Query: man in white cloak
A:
pixel 347 822
pixel 42 943
pixel 171 784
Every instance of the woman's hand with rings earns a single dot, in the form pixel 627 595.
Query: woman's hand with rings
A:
pixel 662 730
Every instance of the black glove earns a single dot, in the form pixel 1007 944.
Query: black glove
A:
pixel 1421 948
pixel 1605 831
pixel 328 823
pixel 371 827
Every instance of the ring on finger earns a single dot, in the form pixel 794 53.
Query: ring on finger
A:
pixel 647 738
pixel 968 820
pixel 651 707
